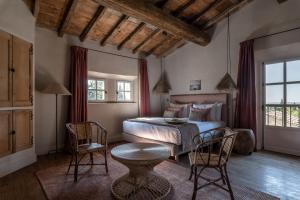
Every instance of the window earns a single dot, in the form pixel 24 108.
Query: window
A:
pixel 124 91
pixel 282 94
pixel 96 90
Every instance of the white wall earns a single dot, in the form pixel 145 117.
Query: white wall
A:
pixel 52 60
pixel 15 18
pixel 193 62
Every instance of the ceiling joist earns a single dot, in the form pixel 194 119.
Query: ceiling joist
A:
pixel 136 30
pixel 140 10
pixel 117 25
pixel 36 8
pixel 225 13
pixel 99 13
pixel 182 8
pixel 211 6
pixel 172 48
pixel 146 40
pixel 69 10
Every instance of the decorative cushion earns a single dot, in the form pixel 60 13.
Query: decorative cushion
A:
pixel 185 109
pixel 171 113
pixel 215 112
pixel 199 114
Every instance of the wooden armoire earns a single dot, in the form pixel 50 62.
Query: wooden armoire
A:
pixel 16 97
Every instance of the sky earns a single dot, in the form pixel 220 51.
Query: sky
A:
pixel 274 74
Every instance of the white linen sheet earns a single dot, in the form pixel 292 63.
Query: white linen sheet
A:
pixel 163 133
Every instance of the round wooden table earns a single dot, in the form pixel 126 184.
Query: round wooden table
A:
pixel 141 182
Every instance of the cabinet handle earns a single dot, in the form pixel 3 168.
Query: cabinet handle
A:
pixel 12 70
pixel 13 132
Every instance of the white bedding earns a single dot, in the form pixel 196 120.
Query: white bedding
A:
pixel 169 134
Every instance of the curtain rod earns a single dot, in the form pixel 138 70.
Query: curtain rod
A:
pixel 115 54
pixel 277 33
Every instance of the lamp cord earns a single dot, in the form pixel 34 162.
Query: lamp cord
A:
pixel 228 46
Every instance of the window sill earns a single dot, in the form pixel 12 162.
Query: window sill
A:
pixel 109 102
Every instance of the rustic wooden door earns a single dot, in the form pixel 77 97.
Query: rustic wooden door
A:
pixel 22 76
pixel 23 129
pixel 5 67
pixel 5 133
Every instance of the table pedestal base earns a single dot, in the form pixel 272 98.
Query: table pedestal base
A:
pixel 148 186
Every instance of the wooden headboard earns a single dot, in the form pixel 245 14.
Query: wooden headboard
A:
pixel 204 98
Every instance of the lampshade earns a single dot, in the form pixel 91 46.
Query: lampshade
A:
pixel 226 83
pixel 162 86
pixel 56 88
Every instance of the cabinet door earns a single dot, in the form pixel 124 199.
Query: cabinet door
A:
pixel 23 129
pixel 5 66
pixel 22 76
pixel 5 133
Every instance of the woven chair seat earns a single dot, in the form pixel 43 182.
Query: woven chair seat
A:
pixel 204 159
pixel 90 147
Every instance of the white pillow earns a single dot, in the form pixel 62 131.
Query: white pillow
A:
pixel 215 110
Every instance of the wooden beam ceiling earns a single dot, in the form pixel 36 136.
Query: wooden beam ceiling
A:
pixel 140 10
pixel 225 13
pixel 172 48
pixel 70 8
pixel 182 8
pixel 99 13
pixel 117 25
pixel 136 30
pixel 146 40
pixel 211 6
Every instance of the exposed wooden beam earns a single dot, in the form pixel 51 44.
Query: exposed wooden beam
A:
pixel 182 8
pixel 161 3
pixel 36 8
pixel 69 10
pixel 172 48
pixel 117 25
pixel 211 6
pixel 146 40
pixel 225 13
pixel 154 48
pixel 147 12
pixel 99 13
pixel 136 30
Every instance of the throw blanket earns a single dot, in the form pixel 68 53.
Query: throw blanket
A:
pixel 187 130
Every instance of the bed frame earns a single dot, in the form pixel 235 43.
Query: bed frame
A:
pixel 186 98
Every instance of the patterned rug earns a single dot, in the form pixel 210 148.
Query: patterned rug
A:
pixel 93 183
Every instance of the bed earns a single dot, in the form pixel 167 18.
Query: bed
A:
pixel 155 129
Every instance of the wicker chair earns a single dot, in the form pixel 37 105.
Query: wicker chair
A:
pixel 203 157
pixel 84 142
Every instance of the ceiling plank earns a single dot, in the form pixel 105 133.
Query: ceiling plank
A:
pixel 182 8
pixel 172 48
pixel 117 25
pixel 146 40
pixel 69 10
pixel 211 6
pixel 99 13
pixel 140 10
pixel 161 3
pixel 154 48
pixel 136 30
pixel 225 13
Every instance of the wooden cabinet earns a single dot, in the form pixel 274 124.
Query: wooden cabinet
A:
pixel 15 94
pixel 15 131
pixel 22 127
pixel 15 71
pixel 5 133
pixel 5 67
pixel 22 72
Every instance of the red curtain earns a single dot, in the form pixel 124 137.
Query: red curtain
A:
pixel 78 83
pixel 144 89
pixel 245 115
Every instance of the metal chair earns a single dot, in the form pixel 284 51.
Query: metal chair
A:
pixel 81 139
pixel 203 157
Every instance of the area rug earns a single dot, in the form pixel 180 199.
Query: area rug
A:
pixel 93 183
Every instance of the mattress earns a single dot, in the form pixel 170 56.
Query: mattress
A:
pixel 148 128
